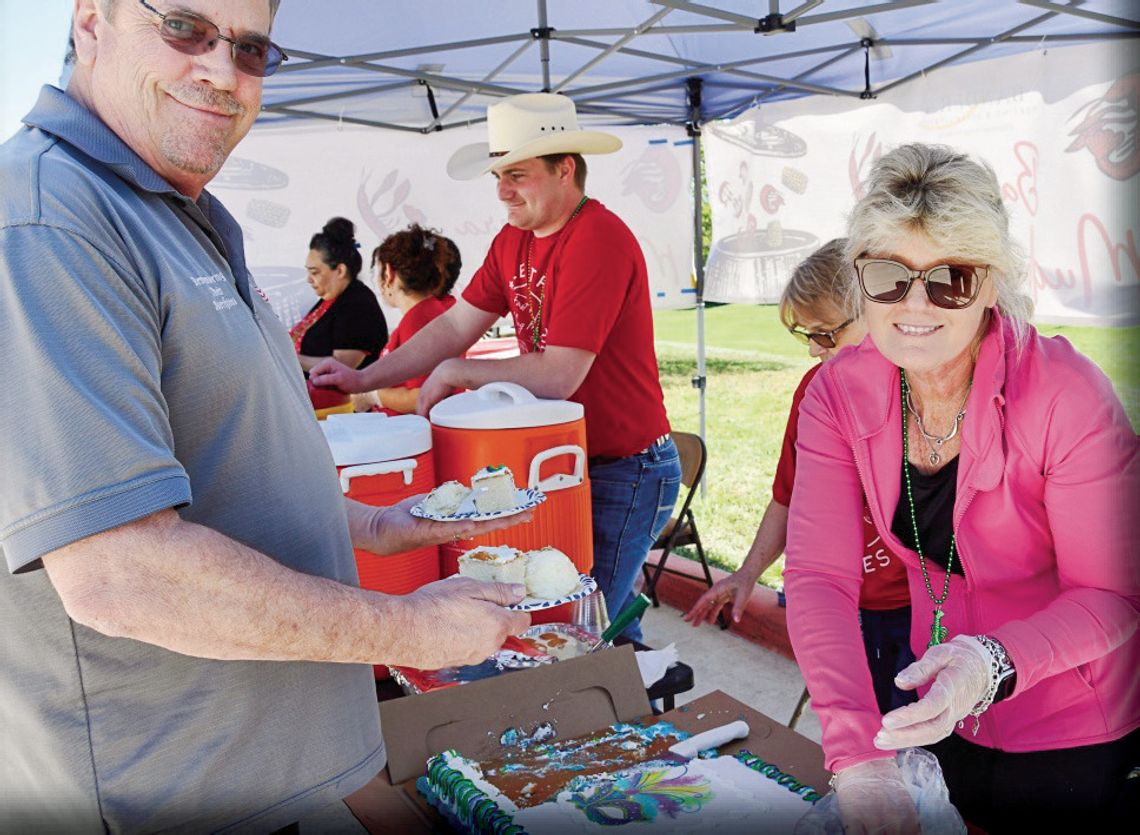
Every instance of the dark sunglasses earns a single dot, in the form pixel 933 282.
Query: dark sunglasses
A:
pixel 193 35
pixel 824 339
pixel 949 286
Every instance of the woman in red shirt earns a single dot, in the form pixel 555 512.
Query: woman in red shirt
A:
pixel 815 308
pixel 415 270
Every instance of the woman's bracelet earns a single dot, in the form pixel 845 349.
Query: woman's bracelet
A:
pixel 1001 669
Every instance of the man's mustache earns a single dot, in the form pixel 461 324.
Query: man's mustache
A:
pixel 207 98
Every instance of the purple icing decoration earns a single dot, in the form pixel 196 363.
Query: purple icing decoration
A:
pixel 640 794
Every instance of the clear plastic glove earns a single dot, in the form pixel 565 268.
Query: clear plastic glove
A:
pixel 922 777
pixel 960 671
pixel 873 798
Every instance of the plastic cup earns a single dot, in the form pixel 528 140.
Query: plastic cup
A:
pixel 590 613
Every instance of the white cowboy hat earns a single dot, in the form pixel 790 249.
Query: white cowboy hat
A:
pixel 526 126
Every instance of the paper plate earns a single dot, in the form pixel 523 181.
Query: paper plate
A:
pixel 560 640
pixel 524 500
pixel 533 604
pixel 515 654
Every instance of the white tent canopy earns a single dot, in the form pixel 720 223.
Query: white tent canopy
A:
pixel 424 65
pixel 423 72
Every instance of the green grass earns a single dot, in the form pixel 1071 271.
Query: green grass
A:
pixel 752 368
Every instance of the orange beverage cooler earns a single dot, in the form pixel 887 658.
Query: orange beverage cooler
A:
pixel 544 444
pixel 383 460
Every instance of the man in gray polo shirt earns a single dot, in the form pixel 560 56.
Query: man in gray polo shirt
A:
pixel 179 551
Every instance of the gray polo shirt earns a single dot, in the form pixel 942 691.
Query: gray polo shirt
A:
pixel 144 371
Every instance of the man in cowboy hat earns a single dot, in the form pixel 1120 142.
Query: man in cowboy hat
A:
pixel 574 279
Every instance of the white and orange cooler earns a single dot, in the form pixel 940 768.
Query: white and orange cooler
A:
pixel 383 460
pixel 544 444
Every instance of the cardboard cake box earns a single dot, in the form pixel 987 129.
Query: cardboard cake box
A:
pixel 572 698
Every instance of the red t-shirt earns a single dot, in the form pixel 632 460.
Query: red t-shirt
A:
pixel 884 576
pixel 588 288
pixel 410 324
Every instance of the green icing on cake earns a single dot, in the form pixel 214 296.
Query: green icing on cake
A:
pixel 770 771
pixel 470 804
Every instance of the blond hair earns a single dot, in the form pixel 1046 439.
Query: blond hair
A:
pixel 823 278
pixel 954 201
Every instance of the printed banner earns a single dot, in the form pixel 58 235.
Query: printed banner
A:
pixel 1057 125
pixel 285 181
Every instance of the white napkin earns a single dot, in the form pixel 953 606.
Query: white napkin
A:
pixel 653 663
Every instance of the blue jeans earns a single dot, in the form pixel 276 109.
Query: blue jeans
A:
pixel 632 499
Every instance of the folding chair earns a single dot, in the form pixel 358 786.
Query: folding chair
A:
pixel 681 530
pixel 798 710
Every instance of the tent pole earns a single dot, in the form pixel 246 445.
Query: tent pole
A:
pixel 542 33
pixel 694 129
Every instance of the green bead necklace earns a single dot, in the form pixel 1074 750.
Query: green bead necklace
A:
pixel 536 321
pixel 938 632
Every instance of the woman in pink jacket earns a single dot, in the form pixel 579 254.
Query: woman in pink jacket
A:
pixel 1000 466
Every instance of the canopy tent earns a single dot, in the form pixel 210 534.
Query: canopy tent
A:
pixel 427 67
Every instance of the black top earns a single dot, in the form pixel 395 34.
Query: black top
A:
pixel 354 322
pixel 934 497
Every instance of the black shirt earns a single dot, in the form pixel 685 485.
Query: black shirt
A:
pixel 354 322
pixel 934 496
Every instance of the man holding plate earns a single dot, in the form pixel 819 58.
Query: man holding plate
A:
pixel 573 277
pixel 186 646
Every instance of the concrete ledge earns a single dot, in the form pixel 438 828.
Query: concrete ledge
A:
pixel 764 621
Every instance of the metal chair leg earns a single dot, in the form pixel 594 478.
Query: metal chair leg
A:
pixel 650 586
pixel 798 711
pixel 651 589
pixel 701 552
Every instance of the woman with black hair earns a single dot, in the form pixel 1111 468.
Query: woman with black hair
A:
pixel 346 322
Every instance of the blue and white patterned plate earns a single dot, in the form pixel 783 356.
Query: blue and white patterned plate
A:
pixel 588 585
pixel 525 499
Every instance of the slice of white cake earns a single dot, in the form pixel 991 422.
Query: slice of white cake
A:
pixel 445 499
pixel 494 489
pixel 550 574
pixel 494 564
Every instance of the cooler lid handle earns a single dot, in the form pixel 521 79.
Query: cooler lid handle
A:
pixel 558 481
pixel 513 392
pixel 401 465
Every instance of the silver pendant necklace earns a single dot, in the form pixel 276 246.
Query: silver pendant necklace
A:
pixel 935 442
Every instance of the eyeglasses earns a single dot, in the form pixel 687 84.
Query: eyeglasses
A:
pixel 824 339
pixel 194 35
pixel 949 286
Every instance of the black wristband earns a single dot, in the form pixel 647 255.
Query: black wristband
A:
pixel 1006 687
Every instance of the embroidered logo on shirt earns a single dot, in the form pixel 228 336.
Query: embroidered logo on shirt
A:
pixel 264 297
pixel 216 285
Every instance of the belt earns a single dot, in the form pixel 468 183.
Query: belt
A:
pixel 597 460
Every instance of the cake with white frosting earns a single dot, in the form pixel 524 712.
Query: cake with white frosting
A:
pixel 445 499
pixel 621 776
pixel 494 564
pixel 550 574
pixel 493 489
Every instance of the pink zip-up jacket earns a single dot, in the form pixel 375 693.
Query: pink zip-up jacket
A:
pixel 1045 521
